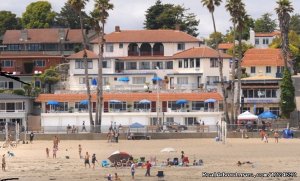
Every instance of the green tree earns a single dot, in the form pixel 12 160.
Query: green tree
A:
pixel 69 18
pixel 100 15
pixel 210 5
pixel 295 23
pixel 215 39
pixel 38 15
pixel 265 23
pixel 8 21
pixel 50 77
pixel 78 6
pixel 167 16
pixel 287 96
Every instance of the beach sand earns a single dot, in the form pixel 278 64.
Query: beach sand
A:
pixel 31 164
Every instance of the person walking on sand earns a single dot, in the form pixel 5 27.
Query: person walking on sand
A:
pixel 55 142
pixel 3 163
pixel 148 167
pixel 94 160
pixel 54 151
pixel 31 136
pixel 83 127
pixel 87 160
pixel 47 152
pixel 79 150
pixel 276 136
pixel 266 138
pixel 132 169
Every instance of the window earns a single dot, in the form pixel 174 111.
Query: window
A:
pixel 10 107
pixel 118 106
pixel 212 79
pixel 180 46
pixel 252 70
pixel 144 65
pixel 6 85
pixel 82 80
pixel 280 69
pixel 19 106
pixel 180 64
pixel 172 105
pixel 197 105
pixel 154 122
pixel 274 110
pixel 197 62
pixel 182 80
pixel 186 63
pixel 170 119
pixel 156 65
pixel 63 106
pixel 138 80
pixel 34 47
pixel 169 65
pixel 256 41
pixel 109 47
pixel 40 63
pixel 268 69
pixel 137 106
pixel 106 64
pixel 105 80
pixel 266 41
pixel 37 83
pixel 131 65
pixel 2 106
pixel 120 45
pixel 79 64
pixel 190 121
pixel 7 63
pixel 214 62
pixel 192 63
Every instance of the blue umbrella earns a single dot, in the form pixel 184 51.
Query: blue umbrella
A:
pixel 210 101
pixel 94 81
pixel 181 101
pixel 123 79
pixel 136 125
pixel 156 78
pixel 84 102
pixel 55 103
pixel 144 101
pixel 267 115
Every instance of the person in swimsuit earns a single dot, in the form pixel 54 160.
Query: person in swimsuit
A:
pixel 94 160
pixel 3 162
pixel 87 160
pixel 47 152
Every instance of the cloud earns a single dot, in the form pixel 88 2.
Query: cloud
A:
pixel 130 14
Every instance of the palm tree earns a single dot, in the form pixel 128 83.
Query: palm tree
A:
pixel 99 16
pixel 210 4
pixel 283 10
pixel 78 5
pixel 235 9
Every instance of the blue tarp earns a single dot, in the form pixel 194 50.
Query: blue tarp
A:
pixel 267 115
pixel 123 79
pixel 287 133
pixel 136 125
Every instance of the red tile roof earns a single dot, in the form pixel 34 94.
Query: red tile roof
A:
pixel 263 57
pixel 200 52
pixel 145 58
pixel 79 55
pixel 131 97
pixel 225 46
pixel 42 36
pixel 135 36
pixel 275 33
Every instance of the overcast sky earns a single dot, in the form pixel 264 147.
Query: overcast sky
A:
pixel 130 14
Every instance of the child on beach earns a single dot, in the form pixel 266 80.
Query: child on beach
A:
pixel 47 152
pixel 276 136
pixel 132 169
pixel 94 160
pixel 265 138
pixel 54 151
pixel 80 149
pixel 3 162
pixel 87 160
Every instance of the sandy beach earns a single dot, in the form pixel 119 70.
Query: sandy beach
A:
pixel 30 162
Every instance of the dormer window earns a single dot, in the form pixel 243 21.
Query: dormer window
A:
pixel 180 46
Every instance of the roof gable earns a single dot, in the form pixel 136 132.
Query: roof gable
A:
pixel 151 36
pixel 79 55
pixel 200 52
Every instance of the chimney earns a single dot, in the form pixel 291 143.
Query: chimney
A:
pixel 24 35
pixel 177 27
pixel 117 29
pixel 61 34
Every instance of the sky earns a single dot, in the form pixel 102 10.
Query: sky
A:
pixel 130 14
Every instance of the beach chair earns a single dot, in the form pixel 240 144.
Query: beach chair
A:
pixel 160 175
pixel 104 163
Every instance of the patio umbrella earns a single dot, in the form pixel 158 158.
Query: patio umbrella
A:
pixel 123 79
pixel 210 101
pixel 136 125
pixel 53 103
pixel 156 78
pixel 144 101
pixel 168 150
pixel 94 81
pixel 118 156
pixel 84 102
pixel 181 101
pixel 267 115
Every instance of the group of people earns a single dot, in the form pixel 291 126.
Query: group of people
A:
pixel 265 136
pixel 56 141
pixel 113 133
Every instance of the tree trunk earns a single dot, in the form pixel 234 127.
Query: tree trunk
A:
pixel 86 73
pixel 239 73
pixel 232 120
pixel 221 74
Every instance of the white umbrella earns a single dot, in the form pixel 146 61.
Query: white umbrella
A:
pixel 168 150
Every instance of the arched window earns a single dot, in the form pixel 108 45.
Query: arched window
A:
pixel 145 49
pixel 133 49
pixel 158 49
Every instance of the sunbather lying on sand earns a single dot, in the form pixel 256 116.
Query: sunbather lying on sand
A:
pixel 241 163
